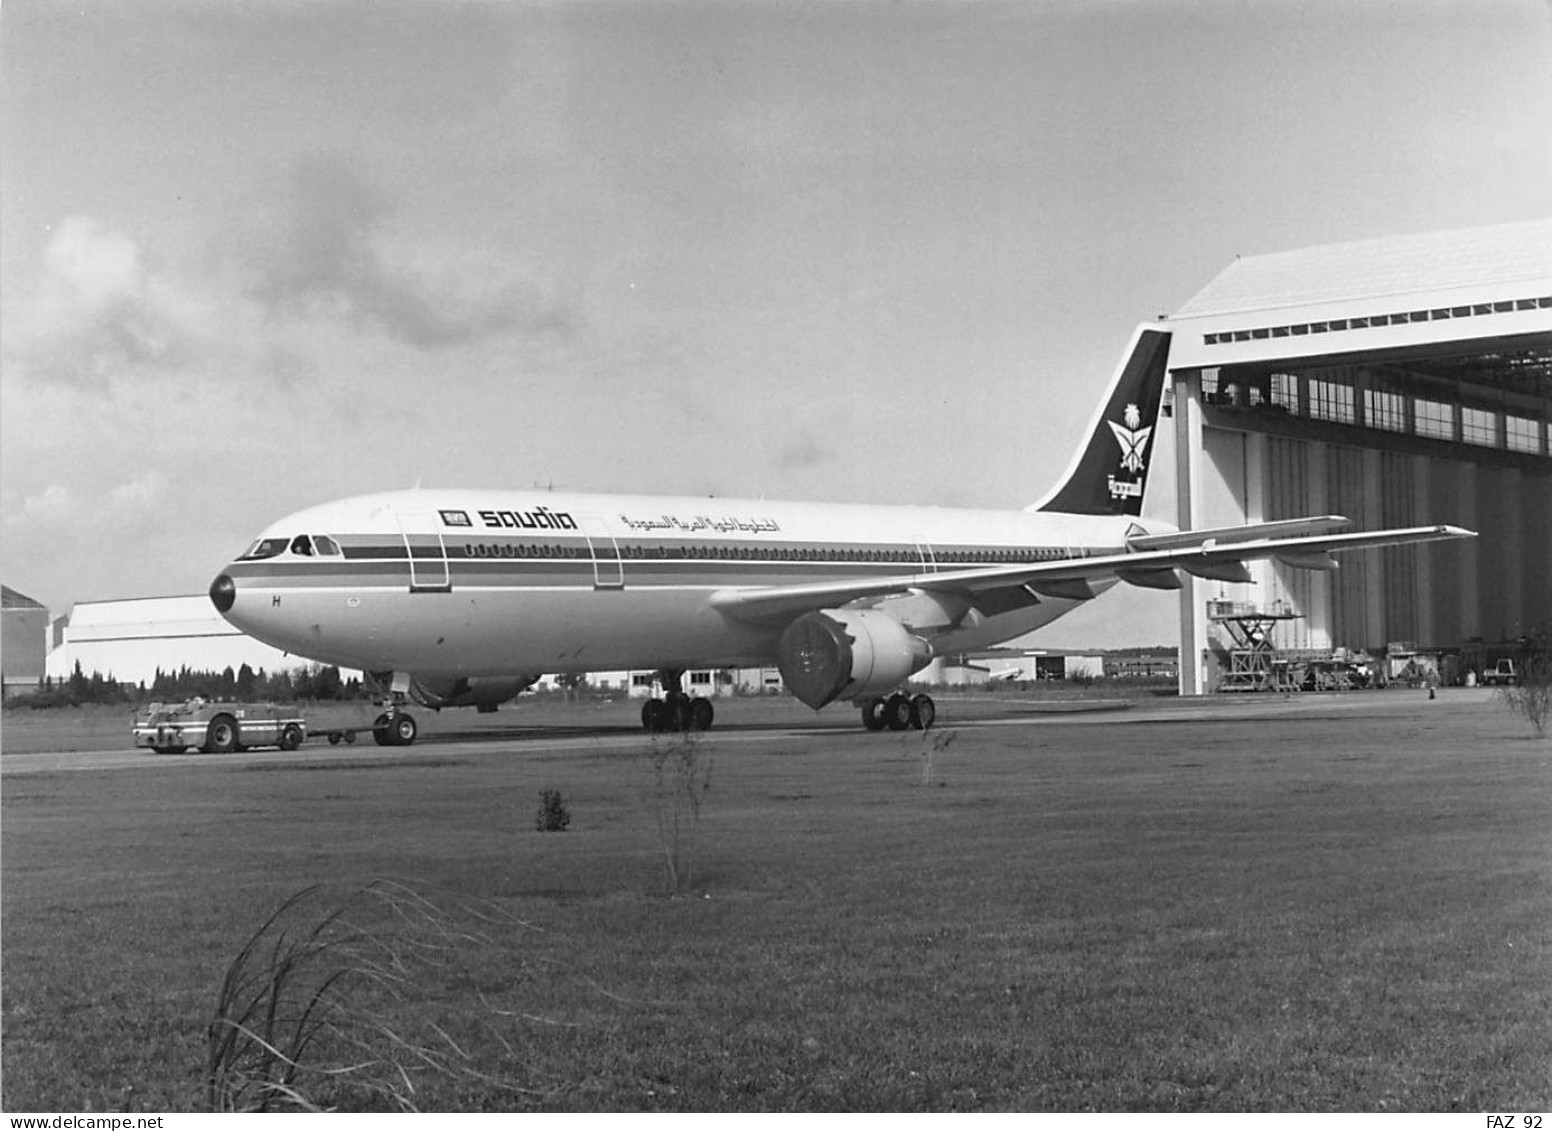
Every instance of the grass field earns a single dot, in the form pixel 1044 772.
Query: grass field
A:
pixel 1346 904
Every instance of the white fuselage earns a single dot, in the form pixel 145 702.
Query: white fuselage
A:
pixel 478 582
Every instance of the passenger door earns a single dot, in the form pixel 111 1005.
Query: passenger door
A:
pixel 608 568
pixel 429 572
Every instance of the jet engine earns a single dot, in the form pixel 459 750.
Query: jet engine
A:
pixel 847 652
pixel 482 691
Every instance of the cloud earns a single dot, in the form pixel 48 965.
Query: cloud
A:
pixel 334 259
pixel 100 311
pixel 139 496
pixel 57 507
pixel 805 451
pixel 62 539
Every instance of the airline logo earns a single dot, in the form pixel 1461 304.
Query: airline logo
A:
pixel 540 518
pixel 1133 439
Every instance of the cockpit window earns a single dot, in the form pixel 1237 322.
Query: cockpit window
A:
pixel 266 548
pixel 323 544
pixel 302 545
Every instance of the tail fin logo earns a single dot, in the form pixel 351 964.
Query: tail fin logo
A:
pixel 1132 438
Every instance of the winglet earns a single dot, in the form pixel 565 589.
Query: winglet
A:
pixel 1109 472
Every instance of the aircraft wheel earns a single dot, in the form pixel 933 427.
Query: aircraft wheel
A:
pixel 403 729
pixel 381 732
pixel 923 712
pixel 350 738
pixel 897 711
pixel 701 714
pixel 334 739
pixel 653 716
pixel 873 714
pixel 221 735
pixel 291 737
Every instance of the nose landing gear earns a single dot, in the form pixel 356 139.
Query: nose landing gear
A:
pixel 394 727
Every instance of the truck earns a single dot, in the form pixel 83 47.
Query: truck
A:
pixel 217 728
pixel 1502 673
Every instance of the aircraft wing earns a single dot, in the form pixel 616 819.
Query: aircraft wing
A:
pixel 1152 562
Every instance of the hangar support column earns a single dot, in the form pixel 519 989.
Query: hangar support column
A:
pixel 1318 616
pixel 1374 626
pixel 1423 600
pixel 1188 475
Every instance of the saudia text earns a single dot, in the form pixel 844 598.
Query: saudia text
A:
pixel 541 518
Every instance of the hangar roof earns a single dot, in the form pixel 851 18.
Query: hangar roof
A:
pixel 1472 291
pixel 1374 268
pixel 11 599
pixel 147 617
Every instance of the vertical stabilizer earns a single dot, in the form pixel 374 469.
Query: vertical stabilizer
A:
pixel 1108 474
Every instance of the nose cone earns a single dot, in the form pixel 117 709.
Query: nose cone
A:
pixel 223 594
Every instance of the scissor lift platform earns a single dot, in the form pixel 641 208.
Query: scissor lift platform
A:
pixel 1254 661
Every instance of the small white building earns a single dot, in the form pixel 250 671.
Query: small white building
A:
pixel 705 683
pixel 1011 665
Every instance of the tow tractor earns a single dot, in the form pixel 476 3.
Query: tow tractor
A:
pixel 217 728
pixel 1503 674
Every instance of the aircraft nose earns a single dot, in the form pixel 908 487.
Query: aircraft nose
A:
pixel 223 594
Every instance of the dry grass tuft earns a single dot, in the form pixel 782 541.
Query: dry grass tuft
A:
pixel 324 1006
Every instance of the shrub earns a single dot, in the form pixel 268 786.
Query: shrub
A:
pixel 933 743
pixel 678 775
pixel 553 815
pixel 1532 696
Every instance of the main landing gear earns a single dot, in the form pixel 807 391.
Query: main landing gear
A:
pixel 900 712
pixel 676 711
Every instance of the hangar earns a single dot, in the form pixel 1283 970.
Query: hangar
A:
pixel 23 642
pixel 130 640
pixel 1400 382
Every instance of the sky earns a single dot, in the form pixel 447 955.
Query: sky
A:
pixel 258 255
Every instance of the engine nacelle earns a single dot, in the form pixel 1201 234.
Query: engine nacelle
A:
pixel 482 691
pixel 832 653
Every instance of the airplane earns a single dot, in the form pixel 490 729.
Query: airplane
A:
pixel 466 597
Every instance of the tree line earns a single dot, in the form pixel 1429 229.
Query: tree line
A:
pixel 311 683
